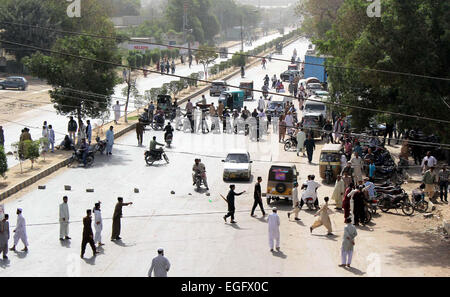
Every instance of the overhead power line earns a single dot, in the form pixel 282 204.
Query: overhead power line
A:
pixel 119 39
pixel 231 86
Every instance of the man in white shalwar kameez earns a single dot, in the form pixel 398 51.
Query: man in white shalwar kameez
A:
pixel 64 220
pixel 20 232
pixel 116 109
pixel 338 193
pixel 98 224
pixel 301 137
pixel 274 229
pixel 160 265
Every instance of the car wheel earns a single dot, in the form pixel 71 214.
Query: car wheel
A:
pixel 3 87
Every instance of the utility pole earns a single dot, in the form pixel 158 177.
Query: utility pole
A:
pixel 242 37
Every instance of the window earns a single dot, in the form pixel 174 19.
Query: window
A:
pixel 237 158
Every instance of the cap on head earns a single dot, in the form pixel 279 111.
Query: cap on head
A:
pixel 19 209
pixel 274 209
pixel 160 250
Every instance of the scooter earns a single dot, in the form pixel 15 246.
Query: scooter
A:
pixel 78 157
pixel 100 146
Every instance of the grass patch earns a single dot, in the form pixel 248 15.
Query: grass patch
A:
pixel 135 118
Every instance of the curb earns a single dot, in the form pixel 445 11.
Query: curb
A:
pixel 52 169
pixel 63 163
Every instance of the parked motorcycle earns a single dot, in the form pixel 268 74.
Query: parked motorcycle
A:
pixel 290 143
pixel 387 202
pixel 78 157
pixel 100 146
pixel 154 156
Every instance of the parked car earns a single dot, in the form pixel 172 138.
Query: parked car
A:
pixel 14 82
pixel 288 73
pixel 217 87
pixel 237 165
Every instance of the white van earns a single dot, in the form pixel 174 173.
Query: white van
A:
pixel 315 107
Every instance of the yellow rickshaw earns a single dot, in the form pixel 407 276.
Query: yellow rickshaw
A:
pixel 330 162
pixel 281 182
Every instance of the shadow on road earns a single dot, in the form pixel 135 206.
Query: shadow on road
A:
pixel 4 263
pixel 355 271
pixel 122 244
pixel 65 243
pixel 325 236
pixel 90 261
pixel 429 251
pixel 279 254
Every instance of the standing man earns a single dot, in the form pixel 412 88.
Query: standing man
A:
pixel 109 140
pixel 301 136
pixel 261 104
pixel 4 236
pixel 310 146
pixel 189 106
pixel 116 109
pixel 230 200
pixel 432 162
pixel 274 229
pixel 2 137
pixel 98 224
pixel 443 183
pixel 64 220
pixel 295 203
pixel 88 236
pixel 72 128
pixel 429 179
pixel 160 264
pixel 140 132
pixel 324 218
pixel 258 198
pixel 358 207
pixel 20 232
pixel 116 218
pixel 348 243
pixel 357 164
pixel 89 131
pixel 51 137
pixel 338 192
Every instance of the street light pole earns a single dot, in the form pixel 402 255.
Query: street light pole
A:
pixel 242 37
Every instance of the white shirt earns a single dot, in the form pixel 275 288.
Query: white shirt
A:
pixel 295 196
pixel 289 121
pixel 261 104
pixel 161 265
pixel 431 161
pixel 97 217
pixel 311 188
pixel 274 225
pixel 64 212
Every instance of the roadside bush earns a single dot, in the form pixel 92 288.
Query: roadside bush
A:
pixel 3 162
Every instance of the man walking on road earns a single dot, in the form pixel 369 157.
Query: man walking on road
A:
pixel 160 265
pixel 357 164
pixel 64 220
pixel 443 183
pixel 4 236
pixel 338 192
pixel 88 237
pixel 230 200
pixel 116 109
pixel 310 146
pixel 295 202
pixel 258 198
pixel 116 218
pixel 274 229
pixel 429 179
pixel 324 218
pixel 109 140
pixel 20 232
pixel 348 243
pixel 140 132
pixel 98 224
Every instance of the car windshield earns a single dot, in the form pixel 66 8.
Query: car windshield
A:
pixel 330 157
pixel 274 105
pixel 319 107
pixel 310 122
pixel 314 86
pixel 237 158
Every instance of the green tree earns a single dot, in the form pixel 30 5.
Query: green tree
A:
pixel 72 77
pixel 31 150
pixel 206 55
pixel 3 162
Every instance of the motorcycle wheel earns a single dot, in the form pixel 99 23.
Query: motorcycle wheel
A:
pixel 287 145
pixel 383 205
pixel 149 160
pixel 422 206
pixel 166 158
pixel 89 161
pixel 408 209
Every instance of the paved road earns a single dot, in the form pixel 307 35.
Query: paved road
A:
pixel 34 119
pixel 189 225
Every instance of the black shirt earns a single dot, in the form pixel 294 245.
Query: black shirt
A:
pixel 230 199
pixel 257 194
pixel 87 228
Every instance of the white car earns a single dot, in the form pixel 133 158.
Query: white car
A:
pixel 237 165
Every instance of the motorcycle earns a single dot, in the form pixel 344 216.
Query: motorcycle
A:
pixel 309 201
pixel 100 146
pixel 419 203
pixel 168 139
pixel 158 123
pixel 387 202
pixel 78 157
pixel 154 156
pixel 198 180
pixel 290 143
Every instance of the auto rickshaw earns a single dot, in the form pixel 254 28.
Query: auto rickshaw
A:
pixel 232 99
pixel 281 182
pixel 223 52
pixel 164 102
pixel 247 87
pixel 330 162
pixel 279 48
